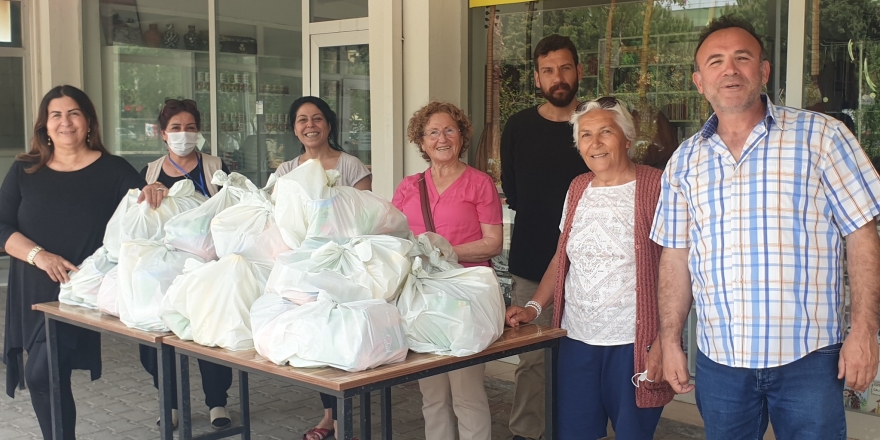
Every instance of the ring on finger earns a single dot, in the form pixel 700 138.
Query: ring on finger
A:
pixel 160 189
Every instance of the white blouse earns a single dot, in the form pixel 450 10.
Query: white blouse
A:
pixel 600 288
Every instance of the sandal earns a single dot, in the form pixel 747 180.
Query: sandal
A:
pixel 174 419
pixel 220 418
pixel 318 434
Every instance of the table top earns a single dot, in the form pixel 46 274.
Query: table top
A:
pixel 85 317
pixel 339 380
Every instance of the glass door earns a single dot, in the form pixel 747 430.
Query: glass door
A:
pixel 341 76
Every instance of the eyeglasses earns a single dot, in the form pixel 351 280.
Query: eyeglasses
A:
pixel 181 103
pixel 449 132
pixel 605 102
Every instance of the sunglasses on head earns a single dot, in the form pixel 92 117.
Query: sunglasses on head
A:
pixel 604 102
pixel 181 102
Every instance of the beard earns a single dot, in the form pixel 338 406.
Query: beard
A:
pixel 565 100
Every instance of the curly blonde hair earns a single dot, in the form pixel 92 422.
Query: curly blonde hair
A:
pixel 416 128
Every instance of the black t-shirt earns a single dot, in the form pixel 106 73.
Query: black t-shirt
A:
pixel 196 174
pixel 538 162
pixel 65 213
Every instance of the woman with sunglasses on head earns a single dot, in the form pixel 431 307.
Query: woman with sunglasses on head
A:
pixel 55 203
pixel 465 209
pixel 315 125
pixel 180 122
pixel 603 284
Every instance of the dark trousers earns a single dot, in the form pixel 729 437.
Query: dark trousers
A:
pixel 329 403
pixel 37 376
pixel 216 379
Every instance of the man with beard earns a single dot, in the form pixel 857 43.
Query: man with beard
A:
pixel 753 214
pixel 538 162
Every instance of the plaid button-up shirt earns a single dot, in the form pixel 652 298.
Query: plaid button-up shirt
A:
pixel 765 234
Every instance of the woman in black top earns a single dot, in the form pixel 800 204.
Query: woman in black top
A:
pixel 54 205
pixel 180 122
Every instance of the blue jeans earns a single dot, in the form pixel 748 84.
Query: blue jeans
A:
pixel 804 399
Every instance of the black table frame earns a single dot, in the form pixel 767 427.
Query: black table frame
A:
pixel 165 356
pixel 344 398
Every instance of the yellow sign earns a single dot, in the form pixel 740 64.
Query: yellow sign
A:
pixel 482 3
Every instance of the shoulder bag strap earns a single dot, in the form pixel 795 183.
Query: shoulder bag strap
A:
pixel 426 204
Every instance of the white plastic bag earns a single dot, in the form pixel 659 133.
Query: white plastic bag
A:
pixel 264 313
pixel 353 336
pixel 138 221
pixel 366 267
pixel 210 303
pixel 190 231
pixel 309 206
pixel 82 289
pixel 456 312
pixel 249 229
pixel 113 232
pixel 108 293
pixel 146 271
pixel 436 252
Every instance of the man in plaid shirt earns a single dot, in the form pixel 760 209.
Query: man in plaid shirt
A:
pixel 752 216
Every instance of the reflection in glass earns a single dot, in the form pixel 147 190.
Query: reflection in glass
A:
pixel 12 129
pixel 842 67
pixel 148 55
pixel 345 85
pixel 259 68
pixel 328 10
pixel 10 23
pixel 647 63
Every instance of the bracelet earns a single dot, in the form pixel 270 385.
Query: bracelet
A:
pixel 33 253
pixel 536 306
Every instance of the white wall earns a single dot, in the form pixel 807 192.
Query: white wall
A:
pixel 57 43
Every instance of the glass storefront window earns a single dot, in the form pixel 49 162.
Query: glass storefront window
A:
pixel 10 23
pixel 649 67
pixel 345 85
pixel 328 10
pixel 159 49
pixel 151 51
pixel 260 59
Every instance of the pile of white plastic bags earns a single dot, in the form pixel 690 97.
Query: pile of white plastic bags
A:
pixel 308 273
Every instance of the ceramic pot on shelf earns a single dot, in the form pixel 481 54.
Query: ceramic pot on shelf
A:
pixel 171 38
pixel 152 36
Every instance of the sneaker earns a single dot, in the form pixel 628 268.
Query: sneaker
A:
pixel 174 419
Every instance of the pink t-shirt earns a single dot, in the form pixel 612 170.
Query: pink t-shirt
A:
pixel 471 200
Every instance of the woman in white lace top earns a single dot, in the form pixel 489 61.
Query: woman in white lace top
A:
pixel 602 282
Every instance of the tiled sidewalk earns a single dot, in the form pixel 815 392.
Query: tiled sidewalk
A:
pixel 123 404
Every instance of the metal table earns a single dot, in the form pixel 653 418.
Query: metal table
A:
pixel 346 386
pixel 94 320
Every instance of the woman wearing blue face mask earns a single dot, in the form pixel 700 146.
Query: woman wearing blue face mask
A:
pixel 180 122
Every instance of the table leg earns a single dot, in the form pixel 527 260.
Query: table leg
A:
pixel 344 422
pixel 166 362
pixel 183 402
pixel 550 426
pixel 385 402
pixel 244 398
pixel 366 417
pixel 54 377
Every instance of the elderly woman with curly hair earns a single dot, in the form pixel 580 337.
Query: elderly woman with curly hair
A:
pixel 466 210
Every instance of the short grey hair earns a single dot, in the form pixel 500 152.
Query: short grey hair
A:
pixel 622 118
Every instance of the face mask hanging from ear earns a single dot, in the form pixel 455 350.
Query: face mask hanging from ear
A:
pixel 182 143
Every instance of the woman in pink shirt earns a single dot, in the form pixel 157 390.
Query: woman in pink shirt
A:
pixel 466 210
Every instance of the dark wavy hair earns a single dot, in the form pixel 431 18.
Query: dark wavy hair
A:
pixel 173 107
pixel 329 115
pixel 41 151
